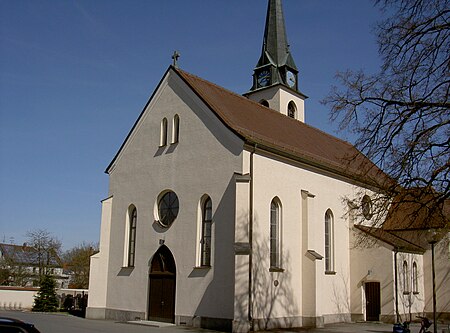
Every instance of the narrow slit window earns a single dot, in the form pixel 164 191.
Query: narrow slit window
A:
pixel 163 139
pixel 132 238
pixel 329 242
pixel 275 249
pixel 176 129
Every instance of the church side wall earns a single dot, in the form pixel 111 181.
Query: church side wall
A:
pixel 442 280
pixel 278 293
pixel 203 162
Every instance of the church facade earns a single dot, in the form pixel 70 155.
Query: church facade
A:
pixel 227 211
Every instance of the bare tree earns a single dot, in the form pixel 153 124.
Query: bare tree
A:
pixel 400 116
pixel 46 250
pixel 77 260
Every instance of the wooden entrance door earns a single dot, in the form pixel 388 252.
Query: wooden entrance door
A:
pixel 162 280
pixel 373 303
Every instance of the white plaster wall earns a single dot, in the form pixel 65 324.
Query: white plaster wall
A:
pixel 442 279
pixel 17 299
pixel 278 98
pixel 373 264
pixel 98 282
pixel 273 178
pixel 203 162
pixel 409 301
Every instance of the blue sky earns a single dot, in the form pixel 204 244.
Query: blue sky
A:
pixel 74 76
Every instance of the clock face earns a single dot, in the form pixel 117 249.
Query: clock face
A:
pixel 290 78
pixel 264 78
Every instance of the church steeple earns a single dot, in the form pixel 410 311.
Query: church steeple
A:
pixel 276 65
pixel 275 75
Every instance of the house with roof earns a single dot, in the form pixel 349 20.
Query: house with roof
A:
pixel 227 211
pixel 22 266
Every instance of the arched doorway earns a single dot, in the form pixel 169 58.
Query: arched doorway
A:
pixel 162 280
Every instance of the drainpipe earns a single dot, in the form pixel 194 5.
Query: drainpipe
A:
pixel 250 241
pixel 396 285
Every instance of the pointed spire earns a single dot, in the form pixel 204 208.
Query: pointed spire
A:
pixel 275 45
pixel 276 65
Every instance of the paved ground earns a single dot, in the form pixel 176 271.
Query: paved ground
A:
pixel 62 323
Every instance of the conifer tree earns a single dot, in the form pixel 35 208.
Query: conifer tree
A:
pixel 46 299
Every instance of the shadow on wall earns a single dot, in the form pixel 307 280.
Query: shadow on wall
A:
pixel 442 280
pixel 215 310
pixel 273 301
pixel 341 297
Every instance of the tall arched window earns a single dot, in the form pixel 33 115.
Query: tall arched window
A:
pixel 205 259
pixel 175 129
pixel 132 237
pixel 405 277
pixel 275 226
pixel 292 110
pixel 329 242
pixel 163 138
pixel 414 278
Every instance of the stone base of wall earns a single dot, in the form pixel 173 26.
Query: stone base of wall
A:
pixel 337 318
pixel 271 323
pixel 222 324
pixel 313 321
pixel 114 314
pixel 217 324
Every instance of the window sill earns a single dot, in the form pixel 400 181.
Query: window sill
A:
pixel 201 267
pixel 330 273
pixel 276 269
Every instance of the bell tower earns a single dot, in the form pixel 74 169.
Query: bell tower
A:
pixel 275 77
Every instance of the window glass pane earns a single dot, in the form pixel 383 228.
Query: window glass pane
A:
pixel 168 208
pixel 206 233
pixel 132 238
pixel 328 242
pixel 274 235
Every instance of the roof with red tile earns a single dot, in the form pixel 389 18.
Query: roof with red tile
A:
pixel 271 130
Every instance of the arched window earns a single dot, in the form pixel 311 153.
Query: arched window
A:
pixel 175 129
pixel 264 102
pixel 275 227
pixel 414 278
pixel 205 259
pixel 292 110
pixel 405 277
pixel 132 236
pixel 366 206
pixel 329 242
pixel 163 138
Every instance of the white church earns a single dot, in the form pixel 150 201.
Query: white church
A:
pixel 227 212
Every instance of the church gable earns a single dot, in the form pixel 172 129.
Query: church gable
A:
pixel 174 118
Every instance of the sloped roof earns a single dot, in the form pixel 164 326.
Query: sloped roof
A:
pixel 269 129
pixel 413 243
pixel 25 255
pixel 418 209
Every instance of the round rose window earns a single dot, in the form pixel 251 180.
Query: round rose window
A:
pixel 168 208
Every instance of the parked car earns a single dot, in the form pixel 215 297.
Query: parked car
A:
pixel 10 325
